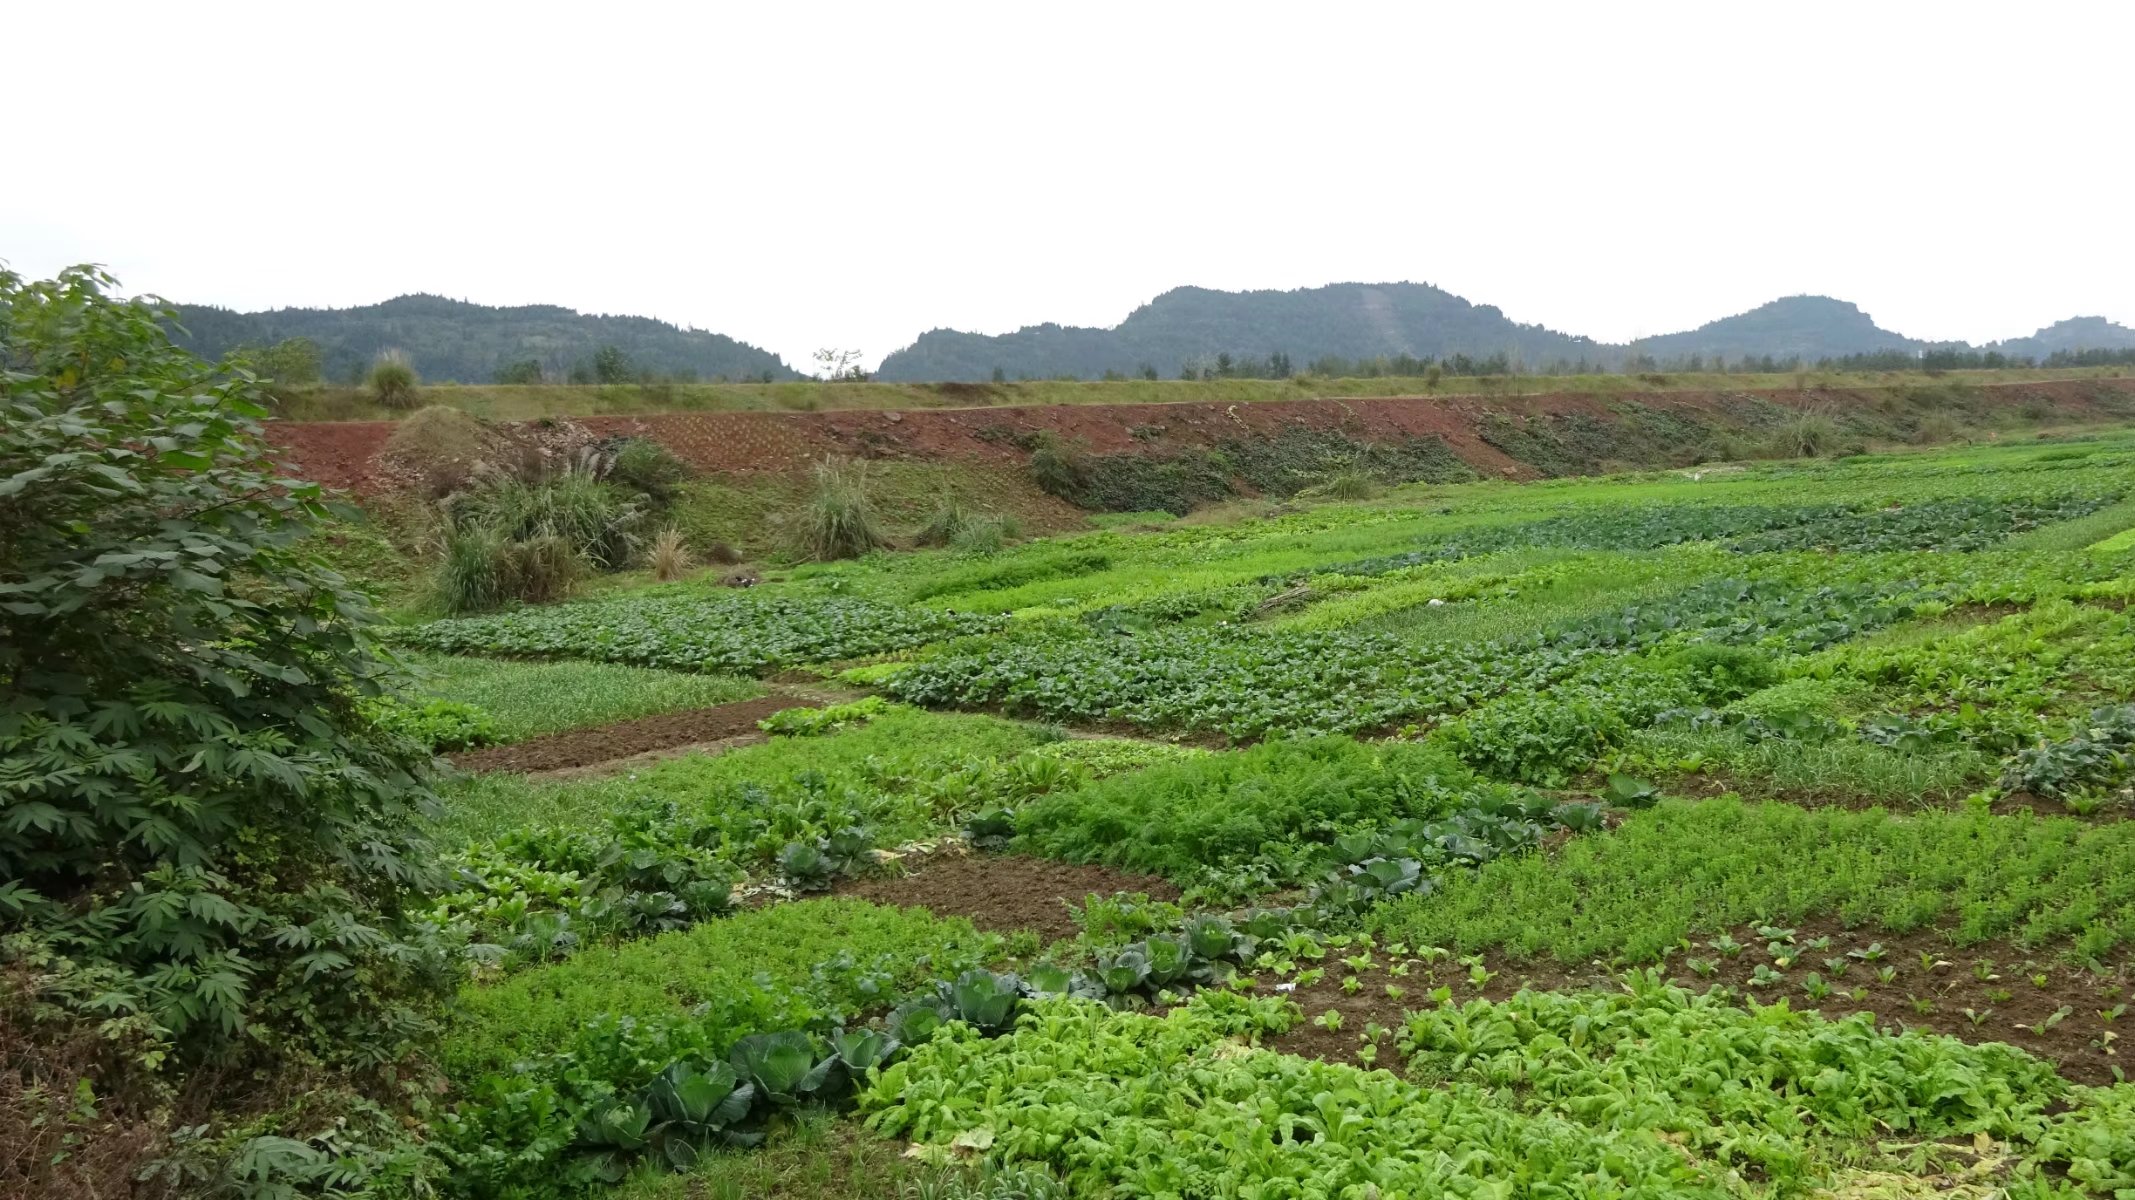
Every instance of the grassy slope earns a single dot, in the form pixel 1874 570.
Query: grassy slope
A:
pixel 517 402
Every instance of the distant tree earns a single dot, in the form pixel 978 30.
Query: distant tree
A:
pixel 526 370
pixel 611 365
pixel 1000 376
pixel 1148 372
pixel 1279 365
pixel 839 366
pixel 1224 365
pixel 291 362
pixel 581 372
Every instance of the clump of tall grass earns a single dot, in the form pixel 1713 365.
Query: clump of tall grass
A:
pixel 949 518
pixel 1936 428
pixel 511 541
pixel 392 380
pixel 483 569
pixel 986 534
pixel 1350 484
pixel 583 511
pixel 838 520
pixel 669 557
pixel 1807 435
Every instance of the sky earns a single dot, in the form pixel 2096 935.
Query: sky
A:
pixel 803 175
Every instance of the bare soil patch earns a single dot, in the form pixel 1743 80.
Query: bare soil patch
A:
pixel 597 744
pixel 1005 893
pixel 1997 982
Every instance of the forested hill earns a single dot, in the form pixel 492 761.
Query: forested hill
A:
pixel 1365 327
pixel 1192 326
pixel 2071 336
pixel 452 341
pixel 1804 328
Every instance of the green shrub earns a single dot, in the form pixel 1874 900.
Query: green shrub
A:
pixel 392 380
pixel 435 725
pixel 1058 468
pixel 1720 673
pixel 986 534
pixel 644 466
pixel 949 519
pixel 1349 485
pixel 815 722
pixel 838 518
pixel 213 841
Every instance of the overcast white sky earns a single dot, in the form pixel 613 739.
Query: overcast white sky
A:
pixel 800 175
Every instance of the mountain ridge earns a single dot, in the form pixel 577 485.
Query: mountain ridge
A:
pixel 458 341
pixel 1352 322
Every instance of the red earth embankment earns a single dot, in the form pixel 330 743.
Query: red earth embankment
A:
pixel 345 454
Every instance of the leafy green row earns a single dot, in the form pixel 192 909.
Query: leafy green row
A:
pixel 1759 1088
pixel 534 1056
pixel 1277 813
pixel 1698 868
pixel 1956 523
pixel 1248 681
pixel 1124 1104
pixel 749 633
pixel 1625 528
pixel 905 774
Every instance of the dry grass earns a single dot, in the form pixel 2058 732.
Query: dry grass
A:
pixel 669 557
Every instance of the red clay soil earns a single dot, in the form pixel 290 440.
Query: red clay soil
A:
pixel 1934 994
pixel 603 743
pixel 344 454
pixel 1005 893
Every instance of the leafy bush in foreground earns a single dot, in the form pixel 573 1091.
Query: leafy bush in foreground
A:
pixel 204 843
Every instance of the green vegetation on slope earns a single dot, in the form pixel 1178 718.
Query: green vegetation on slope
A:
pixel 529 698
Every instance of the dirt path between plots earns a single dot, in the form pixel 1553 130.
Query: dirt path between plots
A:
pixel 633 740
pixel 1942 992
pixel 1004 893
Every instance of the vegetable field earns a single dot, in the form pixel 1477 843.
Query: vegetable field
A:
pixel 1756 831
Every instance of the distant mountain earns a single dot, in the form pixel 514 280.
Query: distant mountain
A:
pixel 1362 321
pixel 2069 336
pixel 1798 327
pixel 452 341
pixel 1188 325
